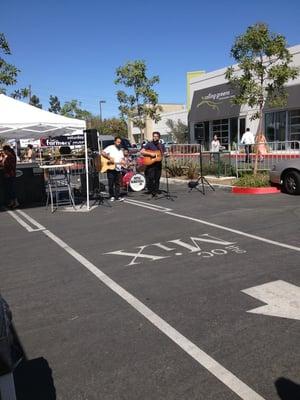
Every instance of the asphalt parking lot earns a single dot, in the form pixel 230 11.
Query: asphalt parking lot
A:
pixel 196 298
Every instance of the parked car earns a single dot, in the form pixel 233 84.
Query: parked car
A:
pixel 286 173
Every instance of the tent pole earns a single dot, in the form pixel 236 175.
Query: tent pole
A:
pixel 86 171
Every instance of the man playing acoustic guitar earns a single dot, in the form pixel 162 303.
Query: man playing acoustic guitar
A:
pixel 153 153
pixel 115 156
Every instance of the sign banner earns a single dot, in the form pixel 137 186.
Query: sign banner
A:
pixel 76 140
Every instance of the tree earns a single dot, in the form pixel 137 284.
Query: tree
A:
pixel 54 104
pixel 8 72
pixel 20 94
pixel 264 63
pixel 72 109
pixel 35 101
pixel 178 130
pixel 142 101
pixel 110 126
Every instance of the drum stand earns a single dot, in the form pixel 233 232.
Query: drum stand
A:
pixel 97 193
pixel 166 193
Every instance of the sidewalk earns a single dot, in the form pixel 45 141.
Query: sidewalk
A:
pixel 225 181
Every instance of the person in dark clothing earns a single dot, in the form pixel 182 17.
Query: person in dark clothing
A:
pixel 155 151
pixel 9 163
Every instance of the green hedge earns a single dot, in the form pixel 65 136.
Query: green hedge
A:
pixel 250 180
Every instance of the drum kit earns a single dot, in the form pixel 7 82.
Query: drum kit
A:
pixel 133 177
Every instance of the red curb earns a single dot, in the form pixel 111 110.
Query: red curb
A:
pixel 254 190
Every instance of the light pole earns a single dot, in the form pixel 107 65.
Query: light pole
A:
pixel 101 102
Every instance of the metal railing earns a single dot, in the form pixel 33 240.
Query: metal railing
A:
pixel 265 154
pixel 213 163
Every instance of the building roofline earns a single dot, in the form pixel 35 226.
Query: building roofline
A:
pixel 221 71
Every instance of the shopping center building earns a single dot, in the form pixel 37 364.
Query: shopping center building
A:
pixel 212 112
pixel 169 111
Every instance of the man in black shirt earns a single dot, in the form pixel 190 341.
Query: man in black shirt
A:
pixel 154 152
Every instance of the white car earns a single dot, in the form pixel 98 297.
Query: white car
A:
pixel 286 173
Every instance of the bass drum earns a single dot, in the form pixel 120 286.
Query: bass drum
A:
pixel 126 178
pixel 137 182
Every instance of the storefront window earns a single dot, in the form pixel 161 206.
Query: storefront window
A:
pixel 294 125
pixel 275 126
pixel 233 133
pixel 220 127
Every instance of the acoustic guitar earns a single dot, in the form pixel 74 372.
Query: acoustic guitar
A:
pixel 105 164
pixel 156 157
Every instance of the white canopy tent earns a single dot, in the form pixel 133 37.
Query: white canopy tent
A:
pixel 19 120
pixel 17 114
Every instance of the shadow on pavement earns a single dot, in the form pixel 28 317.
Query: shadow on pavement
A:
pixel 33 380
pixel 287 389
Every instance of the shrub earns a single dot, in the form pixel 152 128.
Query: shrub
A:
pixel 250 180
pixel 192 170
pixel 174 168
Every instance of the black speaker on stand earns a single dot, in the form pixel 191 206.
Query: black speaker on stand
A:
pixel 92 139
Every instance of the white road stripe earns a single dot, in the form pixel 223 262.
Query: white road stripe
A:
pixel 147 205
pixel 21 222
pixel 260 238
pixel 33 221
pixel 225 228
pixel 215 368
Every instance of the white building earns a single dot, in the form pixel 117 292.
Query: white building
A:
pixel 175 116
pixel 173 111
pixel 212 111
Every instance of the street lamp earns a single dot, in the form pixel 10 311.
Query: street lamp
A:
pixel 101 102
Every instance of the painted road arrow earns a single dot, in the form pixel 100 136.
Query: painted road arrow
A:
pixel 282 299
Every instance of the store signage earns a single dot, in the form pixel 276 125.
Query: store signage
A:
pixel 205 246
pixel 25 142
pixel 214 103
pixel 213 100
pixel 76 140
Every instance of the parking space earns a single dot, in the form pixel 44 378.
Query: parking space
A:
pixel 167 316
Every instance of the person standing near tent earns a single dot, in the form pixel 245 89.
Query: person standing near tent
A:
pixel 9 162
pixel 30 154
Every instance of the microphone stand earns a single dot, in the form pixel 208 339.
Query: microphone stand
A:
pixel 201 179
pixel 166 193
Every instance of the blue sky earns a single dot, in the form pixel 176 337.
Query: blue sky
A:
pixel 71 49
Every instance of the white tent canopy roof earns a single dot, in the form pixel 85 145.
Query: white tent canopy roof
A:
pixel 16 114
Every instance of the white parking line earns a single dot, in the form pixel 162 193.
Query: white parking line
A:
pixel 150 206
pixel 203 359
pixel 241 233
pixel 22 222
pixel 225 228
pixel 33 221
